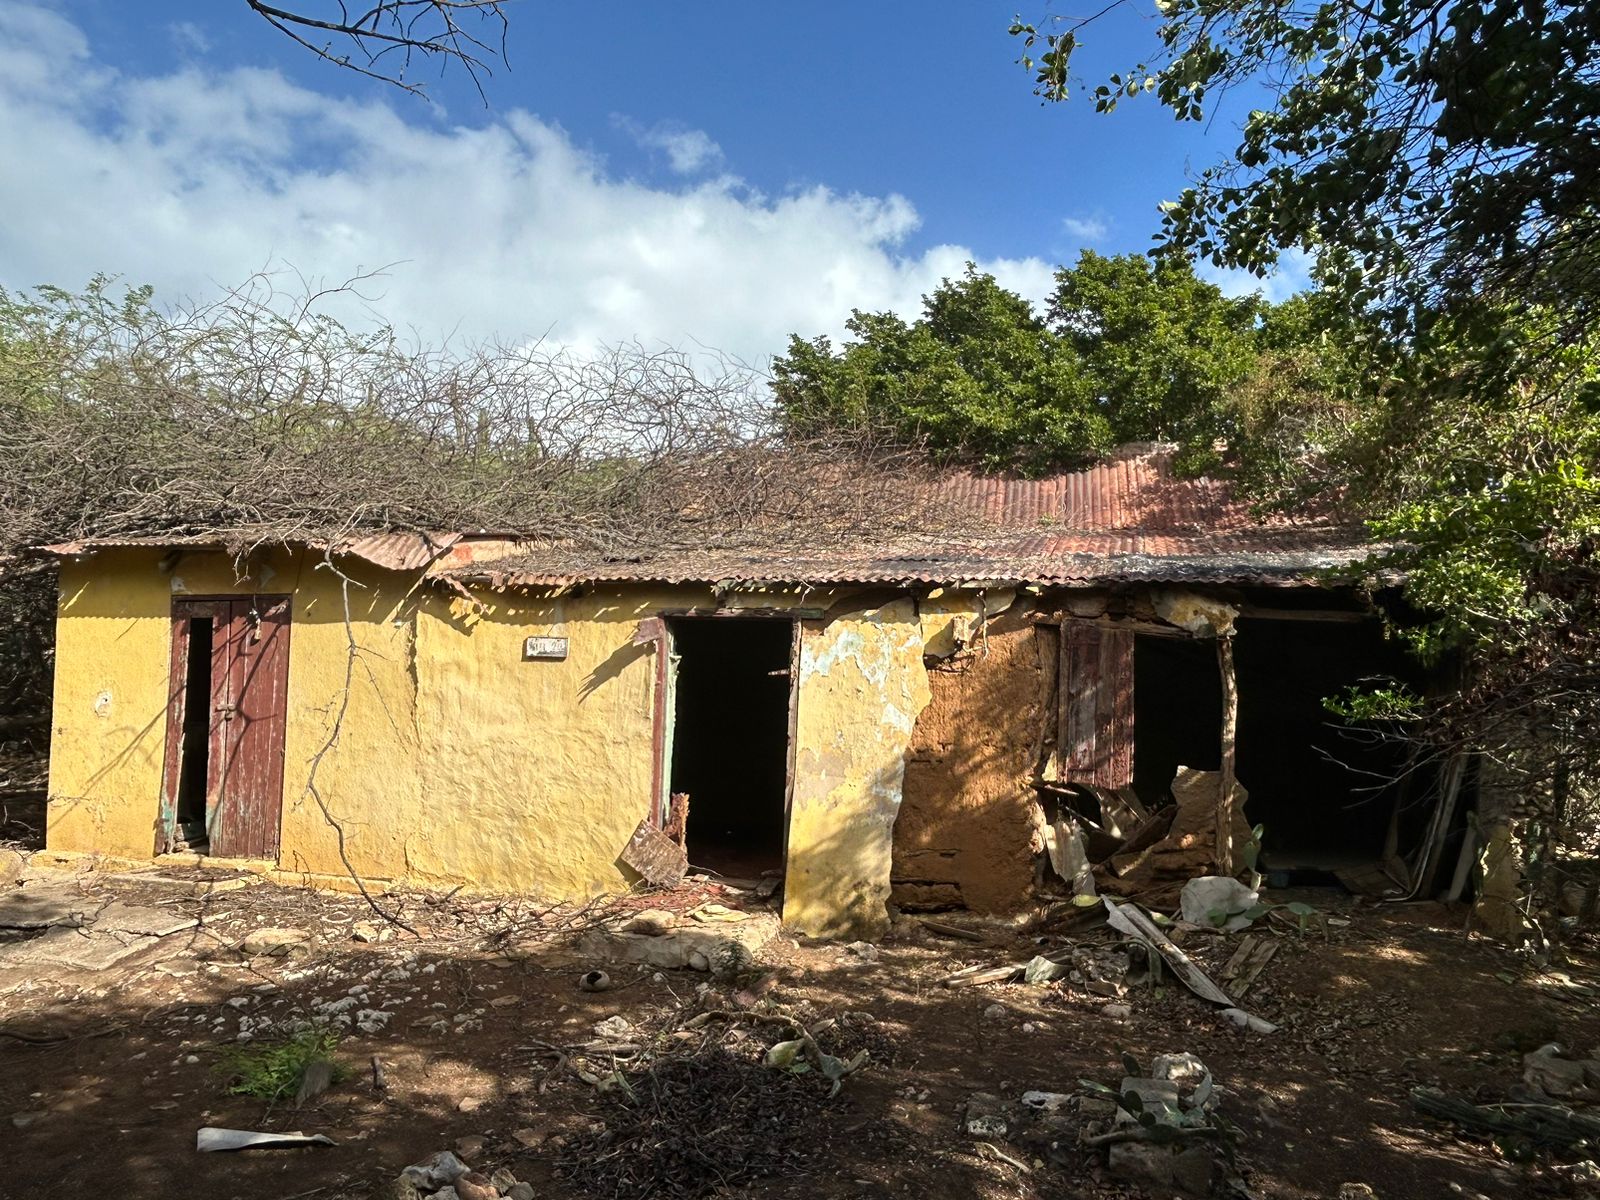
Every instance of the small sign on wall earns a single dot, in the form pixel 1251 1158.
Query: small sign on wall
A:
pixel 544 647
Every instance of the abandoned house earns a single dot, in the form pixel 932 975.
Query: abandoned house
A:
pixel 923 723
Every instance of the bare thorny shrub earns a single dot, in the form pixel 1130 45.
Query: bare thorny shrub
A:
pixel 260 418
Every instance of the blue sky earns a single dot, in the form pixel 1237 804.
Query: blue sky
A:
pixel 701 172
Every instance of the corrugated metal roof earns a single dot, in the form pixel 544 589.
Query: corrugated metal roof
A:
pixel 395 551
pixel 1129 518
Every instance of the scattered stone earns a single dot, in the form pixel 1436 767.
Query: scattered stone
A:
pixel 1546 1071
pixel 615 1029
pixel 519 1191
pixel 11 864
pixel 1357 1191
pixel 403 1189
pixel 1118 1012
pixel 996 1012
pixel 504 1001
pixel 1040 969
pixel 1183 1069
pixel 504 1180
pixel 470 1147
pixel 475 1185
pixel 468 1104
pixel 273 942
pixel 862 951
pixel 447 1193
pixel 531 1138
pixel 442 1169
pixel 1187 1170
pixel 594 981
pixel 652 922
pixel 1046 1102
pixel 23 1120
pixel 364 931
pixel 986 1115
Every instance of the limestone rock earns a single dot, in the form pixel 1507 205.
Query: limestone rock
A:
pixel 986 1115
pixel 273 942
pixel 1188 1170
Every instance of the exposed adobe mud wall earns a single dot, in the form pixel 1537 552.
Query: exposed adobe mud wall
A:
pixel 965 828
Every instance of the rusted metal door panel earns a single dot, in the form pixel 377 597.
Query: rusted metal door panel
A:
pixel 1096 698
pixel 250 676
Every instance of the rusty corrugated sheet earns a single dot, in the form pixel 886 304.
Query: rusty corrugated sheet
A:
pixel 1130 518
pixel 1096 708
pixel 397 551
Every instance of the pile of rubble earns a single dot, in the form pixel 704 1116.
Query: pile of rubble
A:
pixel 1174 844
pixel 1158 1129
pixel 445 1177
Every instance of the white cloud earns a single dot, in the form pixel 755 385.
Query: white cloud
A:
pixel 1293 274
pixel 688 151
pixel 1085 229
pixel 199 178
pixel 189 37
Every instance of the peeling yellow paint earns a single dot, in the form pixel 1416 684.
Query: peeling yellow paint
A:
pixel 460 761
pixel 862 686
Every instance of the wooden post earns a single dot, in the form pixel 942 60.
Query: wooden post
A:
pixel 1230 727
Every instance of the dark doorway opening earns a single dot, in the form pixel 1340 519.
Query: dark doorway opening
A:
pixel 1177 697
pixel 1325 793
pixel 195 754
pixel 730 740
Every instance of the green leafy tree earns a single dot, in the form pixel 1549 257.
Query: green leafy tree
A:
pixel 1442 164
pixel 1167 351
pixel 1128 350
pixel 979 378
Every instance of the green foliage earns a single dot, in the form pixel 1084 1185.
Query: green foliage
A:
pixel 1362 704
pixel 272 1071
pixel 978 378
pixel 1128 350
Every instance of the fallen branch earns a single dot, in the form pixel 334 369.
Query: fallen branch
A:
pixel 1553 1125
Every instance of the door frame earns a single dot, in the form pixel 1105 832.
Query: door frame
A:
pixel 658 629
pixel 185 609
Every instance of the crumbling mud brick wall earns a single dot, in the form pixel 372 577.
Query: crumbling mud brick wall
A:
pixel 964 836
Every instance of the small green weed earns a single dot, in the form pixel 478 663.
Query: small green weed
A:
pixel 272 1071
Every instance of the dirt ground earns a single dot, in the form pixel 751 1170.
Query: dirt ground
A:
pixel 106 1076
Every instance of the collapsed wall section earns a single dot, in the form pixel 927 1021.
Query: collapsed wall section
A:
pixel 965 833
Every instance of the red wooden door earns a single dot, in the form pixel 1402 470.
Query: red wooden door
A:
pixel 249 689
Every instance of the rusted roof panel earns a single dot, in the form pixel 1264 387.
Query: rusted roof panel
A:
pixel 1129 518
pixel 394 551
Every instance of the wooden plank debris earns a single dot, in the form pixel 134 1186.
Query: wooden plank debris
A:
pixel 655 856
pixel 1248 961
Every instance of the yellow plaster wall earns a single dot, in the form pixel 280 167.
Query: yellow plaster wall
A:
pixel 458 761
pixel 862 686
pixel 113 656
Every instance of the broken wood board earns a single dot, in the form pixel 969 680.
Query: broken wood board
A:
pixel 657 858
pixel 1248 961
pixel 1064 842
pixel 1131 920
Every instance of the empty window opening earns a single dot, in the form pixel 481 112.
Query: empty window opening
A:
pixel 195 757
pixel 730 740
pixel 1177 697
pixel 1325 793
